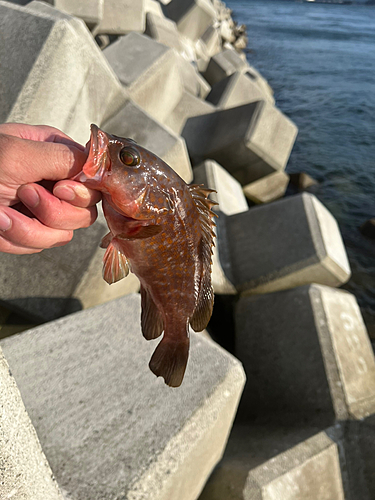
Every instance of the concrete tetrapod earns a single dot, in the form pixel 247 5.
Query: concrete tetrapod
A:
pixel 90 11
pixel 108 427
pixel 42 286
pixel 120 17
pixel 287 243
pixel 307 356
pixel 235 90
pixel 269 462
pixel 224 64
pixel 306 424
pixel 24 470
pixel 163 30
pixel 149 71
pixel 57 74
pixel 250 141
pixel 189 105
pixel 192 17
pixel 268 188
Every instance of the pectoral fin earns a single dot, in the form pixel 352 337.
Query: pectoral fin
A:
pixel 115 263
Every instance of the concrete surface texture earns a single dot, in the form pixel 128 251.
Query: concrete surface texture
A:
pixel 229 194
pixel 39 82
pixel 268 188
pixel 163 30
pixel 192 17
pixel 108 427
pixel 224 64
pixel 24 471
pixel 41 286
pixel 189 105
pixel 250 141
pixel 284 244
pixel 321 371
pixel 90 11
pixel 309 471
pixel 149 72
pixel 212 40
pixel 192 81
pixel 235 90
pixel 277 462
pixel 120 17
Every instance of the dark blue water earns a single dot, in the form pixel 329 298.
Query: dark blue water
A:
pixel 320 61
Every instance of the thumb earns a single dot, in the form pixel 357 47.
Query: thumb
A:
pixel 32 161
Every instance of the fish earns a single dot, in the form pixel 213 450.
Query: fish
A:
pixel 162 229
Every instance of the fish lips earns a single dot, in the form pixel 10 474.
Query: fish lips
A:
pixel 97 161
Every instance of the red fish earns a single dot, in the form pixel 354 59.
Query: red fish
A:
pixel 162 229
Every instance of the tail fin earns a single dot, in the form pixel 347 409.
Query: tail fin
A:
pixel 170 359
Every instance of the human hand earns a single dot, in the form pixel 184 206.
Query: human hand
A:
pixel 32 159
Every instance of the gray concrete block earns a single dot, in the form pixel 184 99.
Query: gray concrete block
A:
pixel 133 122
pixel 192 17
pixel 229 192
pixel 41 286
pixel 163 30
pixel 302 244
pixel 268 188
pixel 309 471
pixel 52 71
pixel 291 242
pixel 154 7
pixel 358 457
pixel 275 462
pixel 212 40
pixel 235 90
pixel 25 473
pixel 250 141
pixel 121 17
pixel 108 427
pixel 307 356
pixel 224 64
pixel 255 76
pixel 149 72
pixel 188 106
pixel 192 81
pixel 90 11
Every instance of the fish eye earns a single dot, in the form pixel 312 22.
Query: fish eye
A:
pixel 129 157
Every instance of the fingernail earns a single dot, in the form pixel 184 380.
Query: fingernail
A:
pixel 64 193
pixel 5 222
pixel 29 196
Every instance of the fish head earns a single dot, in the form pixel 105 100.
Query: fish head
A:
pixel 134 181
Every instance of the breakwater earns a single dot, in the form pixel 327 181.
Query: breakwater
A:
pixel 174 77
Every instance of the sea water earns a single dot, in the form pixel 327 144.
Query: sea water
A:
pixel 320 61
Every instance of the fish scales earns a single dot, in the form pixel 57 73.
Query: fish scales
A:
pixel 161 229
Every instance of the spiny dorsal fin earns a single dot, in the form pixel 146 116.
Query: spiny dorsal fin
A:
pixel 151 319
pixel 205 299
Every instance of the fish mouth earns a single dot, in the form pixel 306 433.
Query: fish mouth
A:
pixel 97 161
